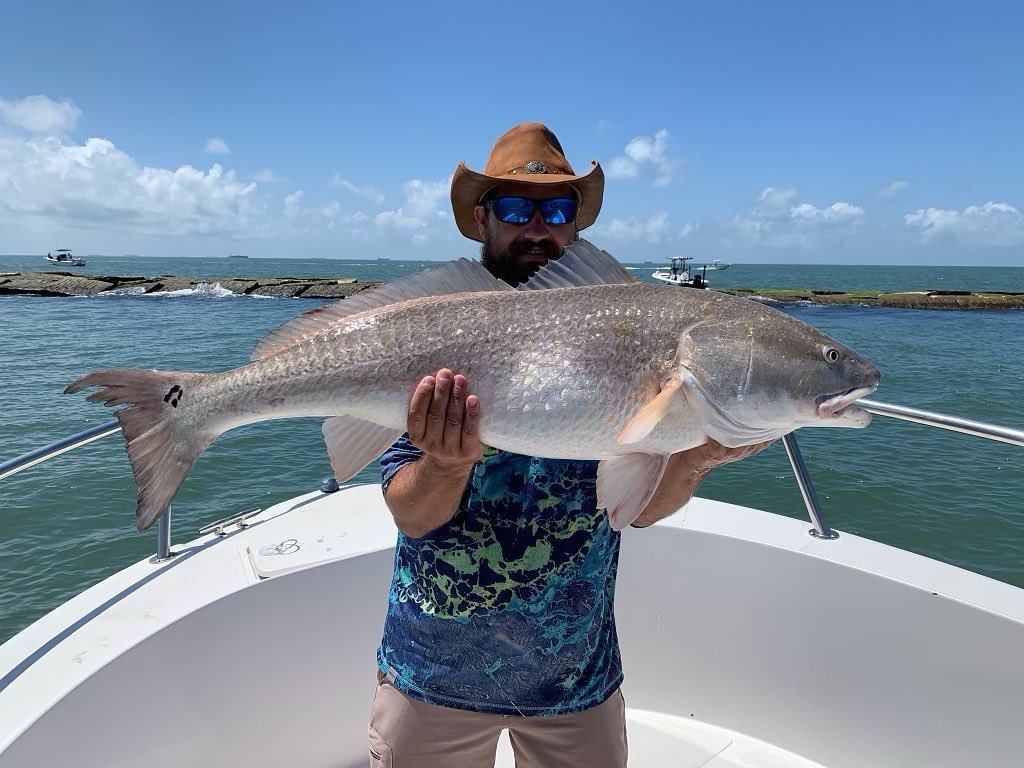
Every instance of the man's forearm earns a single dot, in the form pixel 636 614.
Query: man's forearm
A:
pixel 685 472
pixel 425 494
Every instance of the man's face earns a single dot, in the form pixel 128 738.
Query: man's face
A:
pixel 513 252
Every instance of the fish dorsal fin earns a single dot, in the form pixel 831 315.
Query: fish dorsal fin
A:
pixel 583 263
pixel 462 276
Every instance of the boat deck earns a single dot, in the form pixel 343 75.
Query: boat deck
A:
pixel 746 643
pixel 657 740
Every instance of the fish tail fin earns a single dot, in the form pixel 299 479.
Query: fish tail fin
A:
pixel 159 426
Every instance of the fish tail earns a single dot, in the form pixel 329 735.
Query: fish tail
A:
pixel 159 427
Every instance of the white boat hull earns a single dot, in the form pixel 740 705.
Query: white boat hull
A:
pixel 668 277
pixel 744 641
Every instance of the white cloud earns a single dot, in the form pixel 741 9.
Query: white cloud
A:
pixel 779 218
pixel 292 202
pixel 369 192
pixel 837 212
pixel 690 228
pixel 652 229
pixel 48 181
pixel 425 214
pixel 998 224
pixel 40 115
pixel 647 156
pixel 265 176
pixel 309 218
pixel 97 185
pixel 217 146
pixel 890 190
pixel 52 183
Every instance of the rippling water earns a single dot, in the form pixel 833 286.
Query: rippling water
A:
pixel 70 523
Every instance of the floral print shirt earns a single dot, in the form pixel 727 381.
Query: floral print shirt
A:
pixel 507 607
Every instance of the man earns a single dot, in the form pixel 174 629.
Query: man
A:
pixel 500 612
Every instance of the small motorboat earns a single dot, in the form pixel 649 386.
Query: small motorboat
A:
pixel 63 257
pixel 680 272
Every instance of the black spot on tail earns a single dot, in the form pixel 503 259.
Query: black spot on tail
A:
pixel 174 395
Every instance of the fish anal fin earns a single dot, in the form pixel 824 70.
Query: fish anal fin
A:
pixel 462 276
pixel 626 483
pixel 648 417
pixel 353 443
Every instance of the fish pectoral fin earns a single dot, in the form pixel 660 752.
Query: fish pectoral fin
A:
pixel 648 417
pixel 353 443
pixel 626 483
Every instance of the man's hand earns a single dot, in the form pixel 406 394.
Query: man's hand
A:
pixel 444 419
pixel 444 423
pixel 713 454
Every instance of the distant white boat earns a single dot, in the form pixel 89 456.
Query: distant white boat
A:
pixel 717 264
pixel 680 272
pixel 63 256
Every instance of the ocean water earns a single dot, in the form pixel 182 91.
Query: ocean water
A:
pixel 69 523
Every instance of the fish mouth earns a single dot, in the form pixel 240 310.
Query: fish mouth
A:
pixel 840 405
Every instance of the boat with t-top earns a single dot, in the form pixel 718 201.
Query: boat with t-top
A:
pixel 63 257
pixel 682 273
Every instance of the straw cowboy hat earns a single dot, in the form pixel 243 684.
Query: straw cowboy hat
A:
pixel 530 153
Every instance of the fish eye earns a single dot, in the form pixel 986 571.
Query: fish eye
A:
pixel 832 354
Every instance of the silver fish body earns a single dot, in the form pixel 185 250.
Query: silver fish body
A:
pixel 626 373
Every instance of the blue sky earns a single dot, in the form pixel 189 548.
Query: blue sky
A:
pixel 800 132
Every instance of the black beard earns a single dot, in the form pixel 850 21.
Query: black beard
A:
pixel 504 264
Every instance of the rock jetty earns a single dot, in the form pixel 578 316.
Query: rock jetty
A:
pixel 70 284
pixel 928 299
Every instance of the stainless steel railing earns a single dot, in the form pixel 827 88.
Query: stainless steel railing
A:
pixel 819 526
pixel 942 421
pixel 39 455
pixel 70 443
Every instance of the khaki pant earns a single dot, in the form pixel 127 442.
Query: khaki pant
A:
pixel 406 733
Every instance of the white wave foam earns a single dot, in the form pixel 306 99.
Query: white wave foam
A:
pixel 133 290
pixel 202 290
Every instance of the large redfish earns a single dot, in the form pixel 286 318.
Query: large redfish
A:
pixel 582 362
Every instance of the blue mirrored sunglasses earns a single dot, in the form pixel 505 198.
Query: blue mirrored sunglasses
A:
pixel 519 210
